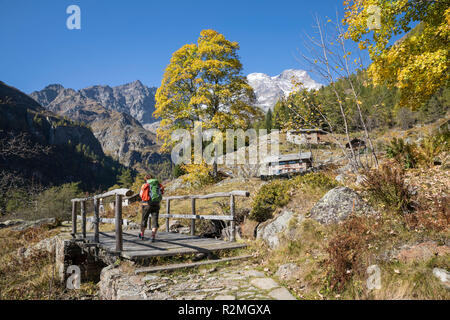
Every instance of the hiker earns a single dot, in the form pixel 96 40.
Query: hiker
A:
pixel 151 196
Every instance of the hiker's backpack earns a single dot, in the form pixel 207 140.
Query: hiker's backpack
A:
pixel 151 191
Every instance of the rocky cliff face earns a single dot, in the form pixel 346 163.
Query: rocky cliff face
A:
pixel 108 111
pixel 132 98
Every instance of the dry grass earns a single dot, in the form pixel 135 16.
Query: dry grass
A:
pixel 34 277
pixel 325 253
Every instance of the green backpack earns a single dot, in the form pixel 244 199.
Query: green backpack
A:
pixel 155 190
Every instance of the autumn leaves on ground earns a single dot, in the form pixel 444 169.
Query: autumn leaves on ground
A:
pixel 396 104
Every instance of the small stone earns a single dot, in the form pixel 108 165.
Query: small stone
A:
pixel 211 289
pixel 443 275
pixel 397 271
pixel 281 294
pixel 253 273
pixel 287 271
pixel 225 297
pixel 150 277
pixel 264 283
pixel 131 297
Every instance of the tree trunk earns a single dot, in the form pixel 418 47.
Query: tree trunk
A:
pixel 214 172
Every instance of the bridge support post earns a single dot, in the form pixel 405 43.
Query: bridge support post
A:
pixel 83 218
pixel 118 215
pixel 167 212
pixel 193 220
pixel 96 220
pixel 74 219
pixel 232 222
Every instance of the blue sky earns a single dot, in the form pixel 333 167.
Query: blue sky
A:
pixel 122 41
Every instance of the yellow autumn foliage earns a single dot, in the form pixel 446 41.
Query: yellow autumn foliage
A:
pixel 204 82
pixel 418 64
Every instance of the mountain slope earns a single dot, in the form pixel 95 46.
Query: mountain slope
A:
pixel 120 135
pixel 73 153
pixel 269 89
pixel 132 98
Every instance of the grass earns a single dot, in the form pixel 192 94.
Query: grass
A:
pixel 308 249
pixel 307 243
pixel 34 277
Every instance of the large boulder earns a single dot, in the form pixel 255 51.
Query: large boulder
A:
pixel 115 284
pixel 337 204
pixel 46 245
pixel 271 230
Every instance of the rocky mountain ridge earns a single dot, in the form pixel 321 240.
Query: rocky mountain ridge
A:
pixel 132 98
pixel 120 134
pixel 74 152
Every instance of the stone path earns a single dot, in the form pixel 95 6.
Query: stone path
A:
pixel 225 283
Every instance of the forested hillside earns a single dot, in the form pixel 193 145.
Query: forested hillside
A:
pixel 39 149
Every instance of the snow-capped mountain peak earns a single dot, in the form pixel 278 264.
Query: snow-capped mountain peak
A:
pixel 269 89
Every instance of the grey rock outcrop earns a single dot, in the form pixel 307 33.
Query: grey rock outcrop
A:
pixel 46 245
pixel 270 230
pixel 287 271
pixel 443 276
pixel 11 223
pixel 337 204
pixel 23 225
pixel 117 285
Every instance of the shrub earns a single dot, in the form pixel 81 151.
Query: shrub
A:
pixel 432 214
pixel 403 153
pixel 125 178
pixel 197 175
pixel 178 171
pixel 386 186
pixel 53 202
pixel 315 181
pixel 347 248
pixel 276 194
pixel 271 196
pixel 432 146
pixel 405 118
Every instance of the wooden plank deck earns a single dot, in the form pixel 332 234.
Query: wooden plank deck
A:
pixel 167 244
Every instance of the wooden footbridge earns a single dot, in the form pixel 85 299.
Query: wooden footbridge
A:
pixel 128 246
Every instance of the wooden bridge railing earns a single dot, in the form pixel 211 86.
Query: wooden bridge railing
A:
pixel 120 193
pixel 194 216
